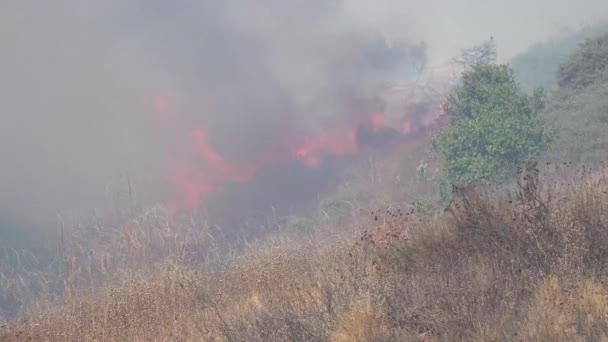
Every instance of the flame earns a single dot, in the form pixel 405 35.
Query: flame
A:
pixel 203 170
pixel 219 168
pixel 190 183
pixel 337 143
pixel 200 169
pixel 161 106
pixel 378 122
pixel 406 127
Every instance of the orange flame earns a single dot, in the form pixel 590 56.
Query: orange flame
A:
pixel 202 170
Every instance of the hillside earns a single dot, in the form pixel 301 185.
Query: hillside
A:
pixel 526 263
pixel 578 109
pixel 387 255
pixel 539 65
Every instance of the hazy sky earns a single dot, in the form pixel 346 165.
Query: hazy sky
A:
pixel 450 25
pixel 79 78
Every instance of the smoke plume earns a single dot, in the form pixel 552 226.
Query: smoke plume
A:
pixel 190 98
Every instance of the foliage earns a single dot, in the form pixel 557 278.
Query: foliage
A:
pixel 578 110
pixel 581 123
pixel 539 65
pixel 445 191
pixel 495 125
pixel 424 206
pixel 586 66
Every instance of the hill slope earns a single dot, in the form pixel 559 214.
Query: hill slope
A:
pixel 539 65
pixel 527 264
pixel 578 109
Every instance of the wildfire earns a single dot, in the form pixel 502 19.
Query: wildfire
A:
pixel 337 143
pixel 219 168
pixel 161 105
pixel 200 169
pixel 378 122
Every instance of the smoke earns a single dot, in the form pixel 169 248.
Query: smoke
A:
pixel 449 26
pixel 191 96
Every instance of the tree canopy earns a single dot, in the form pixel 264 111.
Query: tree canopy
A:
pixel 494 126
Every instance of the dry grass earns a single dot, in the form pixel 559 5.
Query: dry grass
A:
pixel 528 263
pixel 564 310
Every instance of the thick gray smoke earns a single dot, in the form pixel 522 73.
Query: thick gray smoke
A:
pixel 93 90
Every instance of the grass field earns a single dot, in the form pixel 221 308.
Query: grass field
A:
pixel 520 263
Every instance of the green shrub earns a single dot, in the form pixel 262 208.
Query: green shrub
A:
pixel 494 126
pixel 423 206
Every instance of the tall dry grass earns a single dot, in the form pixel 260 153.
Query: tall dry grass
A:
pixel 525 263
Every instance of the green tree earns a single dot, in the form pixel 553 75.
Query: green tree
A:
pixel 495 125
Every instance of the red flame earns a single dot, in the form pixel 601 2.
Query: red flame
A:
pixel 378 122
pixel 338 143
pixel 161 106
pixel 219 168
pixel 406 127
pixel 201 169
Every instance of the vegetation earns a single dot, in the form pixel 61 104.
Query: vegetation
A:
pixel 526 264
pixel 539 65
pixel 494 126
pixel 578 110
pixel 587 66
pixel 485 53
pixel 380 260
